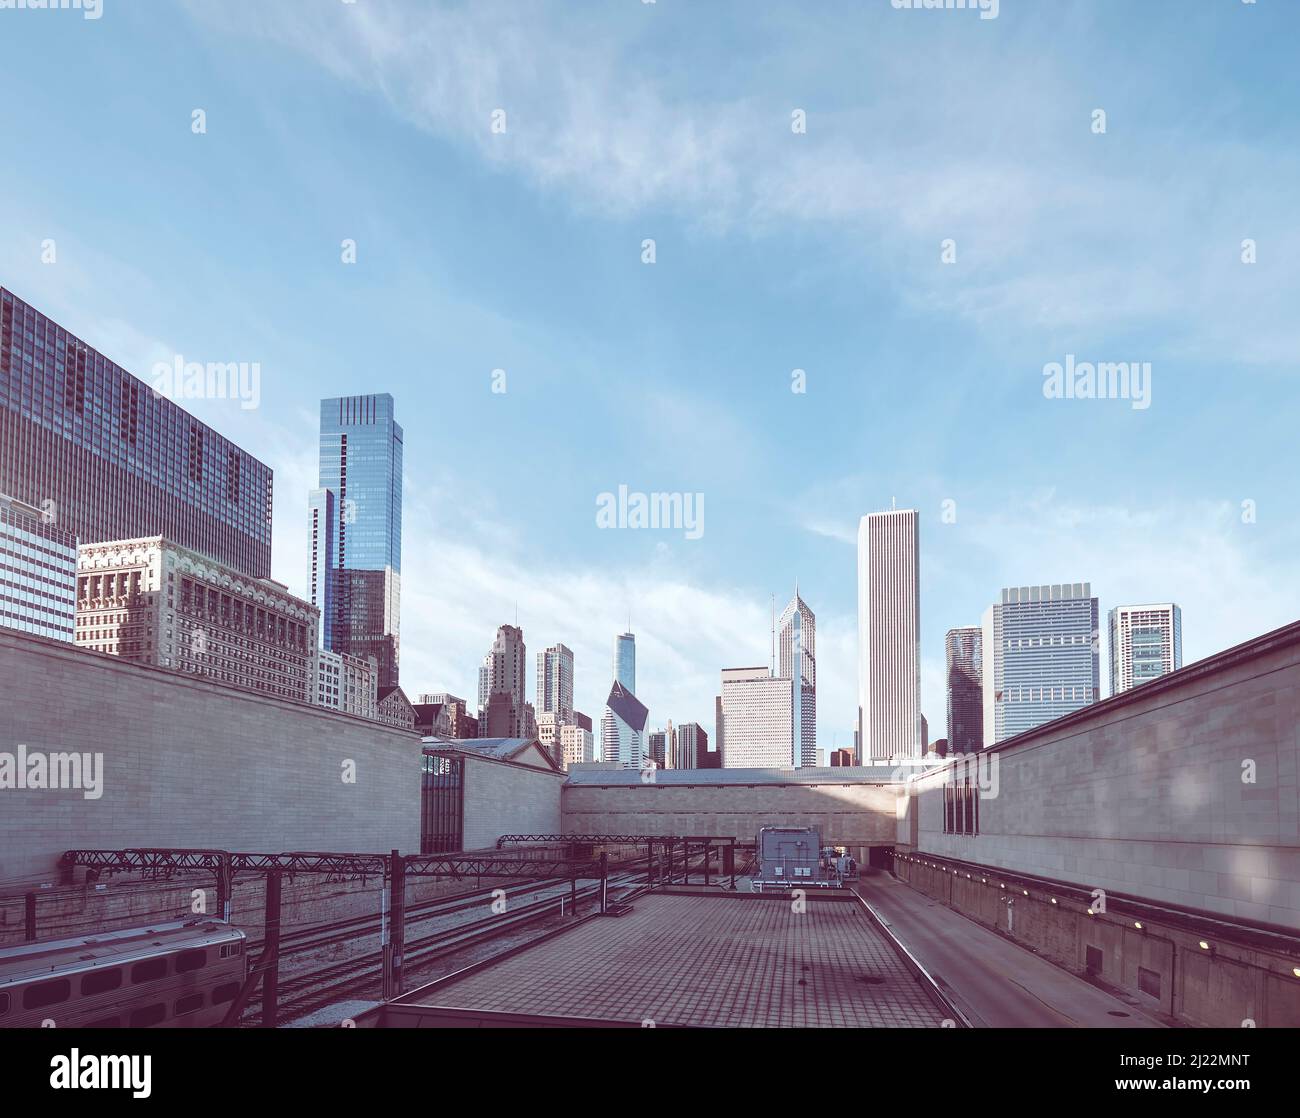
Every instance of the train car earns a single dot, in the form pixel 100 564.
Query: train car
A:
pixel 175 975
pixel 791 858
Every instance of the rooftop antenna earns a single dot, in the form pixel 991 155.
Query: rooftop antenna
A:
pixel 893 503
pixel 772 668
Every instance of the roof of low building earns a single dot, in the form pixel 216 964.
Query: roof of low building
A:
pixel 498 749
pixel 839 774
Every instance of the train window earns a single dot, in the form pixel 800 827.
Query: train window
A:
pixel 230 950
pixel 101 981
pixel 225 992
pixel 191 960
pixel 148 1015
pixel 105 1023
pixel 149 970
pixel 4 1004
pixel 46 993
pixel 187 1004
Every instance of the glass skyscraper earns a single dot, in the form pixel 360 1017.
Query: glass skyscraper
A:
pixel 1041 657
pixel 964 650
pixel 622 728
pixel 105 457
pixel 625 660
pixel 355 520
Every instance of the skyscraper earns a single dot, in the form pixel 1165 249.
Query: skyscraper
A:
pixel 889 636
pixel 104 456
pixel 356 530
pixel 759 711
pixel 622 728
pixel 797 635
pixel 690 746
pixel 501 686
pixel 1040 648
pixel 965 660
pixel 1146 642
pixel 555 684
pixel 658 746
pixel 625 660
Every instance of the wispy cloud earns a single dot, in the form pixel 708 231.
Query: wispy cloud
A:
pixel 1058 230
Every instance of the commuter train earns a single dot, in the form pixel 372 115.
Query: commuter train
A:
pixel 175 975
pixel 794 858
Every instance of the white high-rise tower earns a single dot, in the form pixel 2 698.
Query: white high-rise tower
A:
pixel 797 634
pixel 622 728
pixel 1146 642
pixel 889 636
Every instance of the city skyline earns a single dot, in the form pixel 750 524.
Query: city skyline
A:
pixel 706 339
pixel 379 537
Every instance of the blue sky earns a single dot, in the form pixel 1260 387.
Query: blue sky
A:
pixel 775 251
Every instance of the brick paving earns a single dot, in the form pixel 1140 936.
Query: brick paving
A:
pixel 710 961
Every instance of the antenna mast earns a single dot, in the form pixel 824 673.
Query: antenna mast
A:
pixel 772 667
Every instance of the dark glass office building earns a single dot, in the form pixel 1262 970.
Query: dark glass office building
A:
pixel 109 459
pixel 965 657
pixel 356 530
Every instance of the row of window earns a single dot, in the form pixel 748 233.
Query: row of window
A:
pixel 961 808
pixel 43 994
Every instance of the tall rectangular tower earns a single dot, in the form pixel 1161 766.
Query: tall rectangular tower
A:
pixel 889 636
pixel 555 683
pixel 501 686
pixel 625 661
pixel 104 456
pixel 797 633
pixel 759 711
pixel 357 560
pixel 1146 642
pixel 1041 657
pixel 964 650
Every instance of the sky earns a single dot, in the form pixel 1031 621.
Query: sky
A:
pixel 799 169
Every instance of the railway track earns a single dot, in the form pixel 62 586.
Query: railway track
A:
pixel 355 927
pixel 303 994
